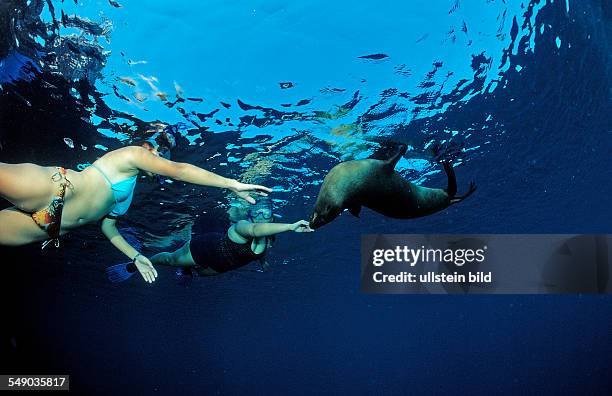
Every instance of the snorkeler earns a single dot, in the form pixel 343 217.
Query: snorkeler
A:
pixel 247 240
pixel 48 202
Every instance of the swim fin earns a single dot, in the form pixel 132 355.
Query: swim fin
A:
pixel 121 272
pixel 130 235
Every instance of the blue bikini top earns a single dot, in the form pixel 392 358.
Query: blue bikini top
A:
pixel 123 191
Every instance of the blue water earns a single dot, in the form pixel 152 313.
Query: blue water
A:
pixel 517 94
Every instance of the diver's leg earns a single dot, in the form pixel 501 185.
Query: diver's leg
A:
pixel 18 228
pixel 179 258
pixel 27 186
pixel 205 271
pixel 163 258
pixel 183 256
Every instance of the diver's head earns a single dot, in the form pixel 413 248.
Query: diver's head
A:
pixel 261 211
pixel 159 140
pixel 235 213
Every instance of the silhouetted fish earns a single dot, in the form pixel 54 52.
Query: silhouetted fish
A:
pixel 374 56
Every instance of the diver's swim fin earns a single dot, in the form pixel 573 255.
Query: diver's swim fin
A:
pixel 121 272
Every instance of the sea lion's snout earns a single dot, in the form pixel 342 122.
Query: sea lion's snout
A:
pixel 323 215
pixel 315 220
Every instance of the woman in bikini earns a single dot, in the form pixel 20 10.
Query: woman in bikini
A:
pixel 48 202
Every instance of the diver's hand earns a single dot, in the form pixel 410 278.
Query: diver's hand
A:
pixel 243 190
pixel 301 226
pixel 145 267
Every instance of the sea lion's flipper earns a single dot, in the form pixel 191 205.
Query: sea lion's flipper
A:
pixel 464 196
pixel 355 210
pixel 399 153
pixel 451 189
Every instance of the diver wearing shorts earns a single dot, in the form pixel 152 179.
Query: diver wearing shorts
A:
pixel 212 253
pixel 218 252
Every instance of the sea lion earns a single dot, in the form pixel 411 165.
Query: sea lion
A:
pixel 375 184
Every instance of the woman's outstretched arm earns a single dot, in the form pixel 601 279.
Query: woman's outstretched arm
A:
pixel 141 158
pixel 144 265
pixel 247 229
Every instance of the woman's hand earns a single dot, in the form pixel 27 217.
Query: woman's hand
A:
pixel 243 190
pixel 145 267
pixel 301 226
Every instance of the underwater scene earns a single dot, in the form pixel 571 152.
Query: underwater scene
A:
pixel 202 231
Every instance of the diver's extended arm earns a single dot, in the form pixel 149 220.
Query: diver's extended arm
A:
pixel 110 231
pixel 141 158
pixel 247 229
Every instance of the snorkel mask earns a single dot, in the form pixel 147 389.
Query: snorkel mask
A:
pixel 261 209
pixel 163 142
